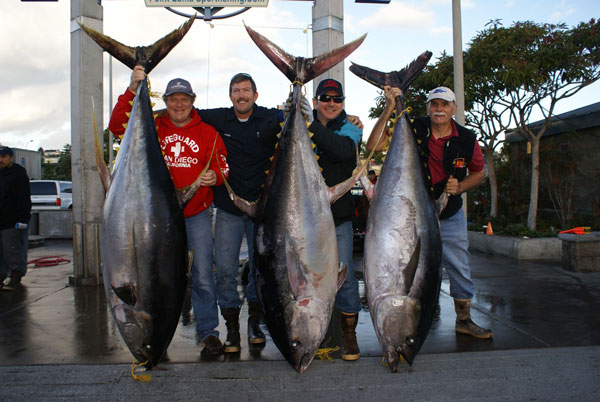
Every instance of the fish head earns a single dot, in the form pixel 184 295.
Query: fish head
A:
pixel 136 329
pixel 397 319
pixel 307 329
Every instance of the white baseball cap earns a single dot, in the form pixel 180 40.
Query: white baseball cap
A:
pixel 441 93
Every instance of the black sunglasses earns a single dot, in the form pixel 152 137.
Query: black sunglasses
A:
pixel 327 98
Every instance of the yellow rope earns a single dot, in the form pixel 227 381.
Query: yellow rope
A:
pixel 392 123
pixel 325 353
pixel 384 361
pixel 142 377
pixel 301 84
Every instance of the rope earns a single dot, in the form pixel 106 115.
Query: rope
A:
pixel 142 377
pixel 48 261
pixel 325 353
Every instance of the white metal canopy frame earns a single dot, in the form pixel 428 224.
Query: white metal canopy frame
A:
pixel 208 13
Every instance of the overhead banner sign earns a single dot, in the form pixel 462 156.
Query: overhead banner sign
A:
pixel 207 3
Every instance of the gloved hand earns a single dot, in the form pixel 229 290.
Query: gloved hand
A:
pixel 287 105
pixel 306 109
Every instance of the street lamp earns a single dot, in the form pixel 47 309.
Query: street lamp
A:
pixel 27 144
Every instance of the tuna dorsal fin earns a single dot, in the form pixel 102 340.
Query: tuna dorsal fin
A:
pixel 299 68
pixel 342 272
pixel 400 79
pixel 408 273
pixel 126 293
pixel 146 56
pixel 296 278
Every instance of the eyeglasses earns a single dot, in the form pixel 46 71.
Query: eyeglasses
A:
pixel 327 98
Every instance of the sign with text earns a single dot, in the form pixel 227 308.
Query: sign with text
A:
pixel 207 3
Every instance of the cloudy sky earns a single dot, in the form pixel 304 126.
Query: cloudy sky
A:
pixel 35 47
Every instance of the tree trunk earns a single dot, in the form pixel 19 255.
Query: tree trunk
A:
pixel 535 183
pixel 489 161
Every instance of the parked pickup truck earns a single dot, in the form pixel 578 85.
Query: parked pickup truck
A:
pixel 51 194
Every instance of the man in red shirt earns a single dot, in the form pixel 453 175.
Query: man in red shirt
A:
pixel 188 146
pixel 456 165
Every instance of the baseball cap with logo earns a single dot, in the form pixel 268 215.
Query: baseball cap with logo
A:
pixel 179 85
pixel 6 151
pixel 329 84
pixel 441 93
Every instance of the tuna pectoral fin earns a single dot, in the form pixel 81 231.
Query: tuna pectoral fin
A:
pixel 299 68
pixel 295 276
pixel 100 164
pixel 146 56
pixel 368 187
pixel 400 79
pixel 186 193
pixel 408 273
pixel 190 260
pixel 126 293
pixel 342 272
pixel 440 203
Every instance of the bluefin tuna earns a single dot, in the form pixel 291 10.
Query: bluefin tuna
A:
pixel 402 247
pixel 143 237
pixel 295 246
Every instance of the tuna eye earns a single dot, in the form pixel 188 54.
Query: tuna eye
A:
pixel 148 347
pixel 410 341
pixel 295 345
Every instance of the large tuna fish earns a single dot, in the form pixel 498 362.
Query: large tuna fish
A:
pixel 402 250
pixel 295 246
pixel 144 246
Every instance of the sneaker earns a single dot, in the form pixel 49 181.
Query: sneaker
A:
pixel 13 284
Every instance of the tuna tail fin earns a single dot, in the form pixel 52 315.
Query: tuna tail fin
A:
pixel 146 56
pixel 400 79
pixel 299 68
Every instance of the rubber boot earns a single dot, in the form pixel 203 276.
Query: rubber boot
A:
pixel 212 346
pixel 464 324
pixel 350 349
pixel 232 322
pixel 255 334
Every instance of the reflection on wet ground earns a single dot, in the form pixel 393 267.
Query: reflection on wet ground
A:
pixel 526 304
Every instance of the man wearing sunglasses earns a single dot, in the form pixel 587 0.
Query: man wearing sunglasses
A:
pixel 337 140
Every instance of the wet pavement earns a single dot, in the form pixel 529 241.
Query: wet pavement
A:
pixel 542 316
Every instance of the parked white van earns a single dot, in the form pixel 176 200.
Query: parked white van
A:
pixel 51 194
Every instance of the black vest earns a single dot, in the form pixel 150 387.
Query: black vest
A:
pixel 458 153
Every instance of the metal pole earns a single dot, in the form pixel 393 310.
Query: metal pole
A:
pixel 88 195
pixel 459 83
pixel 328 33
pixel 110 103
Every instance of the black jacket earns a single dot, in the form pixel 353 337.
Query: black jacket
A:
pixel 458 148
pixel 15 196
pixel 337 157
pixel 247 155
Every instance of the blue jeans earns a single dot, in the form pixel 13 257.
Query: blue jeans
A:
pixel 204 295
pixel 455 255
pixel 13 252
pixel 347 299
pixel 229 232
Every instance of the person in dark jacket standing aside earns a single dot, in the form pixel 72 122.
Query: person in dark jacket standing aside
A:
pixel 15 211
pixel 455 165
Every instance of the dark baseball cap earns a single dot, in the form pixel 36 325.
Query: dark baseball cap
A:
pixel 179 85
pixel 329 84
pixel 6 151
